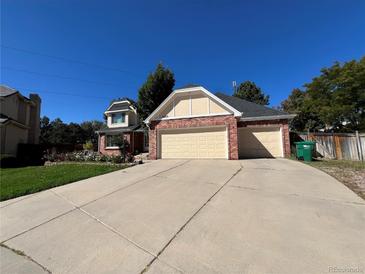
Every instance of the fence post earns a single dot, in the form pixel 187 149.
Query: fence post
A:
pixel 334 146
pixel 358 145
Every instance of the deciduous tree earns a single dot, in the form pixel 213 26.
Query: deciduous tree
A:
pixel 335 100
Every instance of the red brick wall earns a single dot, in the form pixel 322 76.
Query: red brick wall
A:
pixel 282 123
pixel 136 143
pixel 104 150
pixel 227 120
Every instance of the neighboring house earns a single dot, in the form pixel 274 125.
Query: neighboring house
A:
pixel 194 123
pixel 19 120
pixel 122 124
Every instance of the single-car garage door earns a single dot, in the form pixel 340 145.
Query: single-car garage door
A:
pixel 260 142
pixel 197 143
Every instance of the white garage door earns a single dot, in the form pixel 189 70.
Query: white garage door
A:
pixel 209 143
pixel 260 142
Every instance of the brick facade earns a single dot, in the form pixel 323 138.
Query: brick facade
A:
pixel 227 120
pixel 135 140
pixel 284 129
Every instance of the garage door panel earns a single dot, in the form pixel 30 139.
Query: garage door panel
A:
pixel 194 143
pixel 259 142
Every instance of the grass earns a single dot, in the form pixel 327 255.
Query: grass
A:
pixel 15 182
pixel 358 165
pixel 350 173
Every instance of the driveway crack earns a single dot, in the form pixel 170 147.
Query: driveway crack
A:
pixel 21 253
pixel 188 221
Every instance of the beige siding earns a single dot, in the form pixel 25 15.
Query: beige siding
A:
pixel 209 143
pixel 194 105
pixel 259 142
pixel 215 108
pixel 199 105
pixel 9 106
pixel 14 136
pixel 182 106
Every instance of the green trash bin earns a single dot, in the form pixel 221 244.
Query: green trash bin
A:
pixel 305 150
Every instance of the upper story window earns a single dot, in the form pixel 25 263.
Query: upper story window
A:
pixel 118 118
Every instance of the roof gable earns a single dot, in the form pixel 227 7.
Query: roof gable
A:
pixel 190 91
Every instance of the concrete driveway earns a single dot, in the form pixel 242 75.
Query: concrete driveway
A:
pixel 189 216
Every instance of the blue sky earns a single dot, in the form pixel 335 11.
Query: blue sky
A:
pixel 278 44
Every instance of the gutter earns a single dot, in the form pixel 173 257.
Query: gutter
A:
pixel 272 117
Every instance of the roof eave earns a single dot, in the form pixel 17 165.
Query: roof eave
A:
pixel 119 110
pixel 271 117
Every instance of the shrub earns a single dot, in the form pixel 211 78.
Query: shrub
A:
pixel 30 154
pixel 104 158
pixel 9 161
pixel 117 159
pixel 88 146
pixel 89 156
pixel 129 158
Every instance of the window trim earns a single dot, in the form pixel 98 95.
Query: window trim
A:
pixel 106 141
pixel 123 114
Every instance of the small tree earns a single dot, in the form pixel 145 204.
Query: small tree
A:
pixel 250 92
pixel 123 147
pixel 157 87
pixel 88 146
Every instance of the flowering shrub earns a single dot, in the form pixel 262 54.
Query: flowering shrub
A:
pixel 88 146
pixel 89 156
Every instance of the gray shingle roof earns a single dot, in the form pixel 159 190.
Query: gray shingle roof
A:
pixel 247 108
pixel 6 91
pixel 120 106
pixel 119 130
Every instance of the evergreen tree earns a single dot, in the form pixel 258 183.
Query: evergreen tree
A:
pixel 157 87
pixel 250 92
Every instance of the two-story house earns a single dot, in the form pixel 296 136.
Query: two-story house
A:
pixel 19 120
pixel 122 124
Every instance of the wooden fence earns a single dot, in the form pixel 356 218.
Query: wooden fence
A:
pixel 340 146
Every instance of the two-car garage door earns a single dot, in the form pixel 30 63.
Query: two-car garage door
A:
pixel 193 143
pixel 212 143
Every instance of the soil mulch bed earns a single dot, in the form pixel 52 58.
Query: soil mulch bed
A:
pixel 350 173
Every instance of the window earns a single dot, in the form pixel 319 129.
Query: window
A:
pixel 145 139
pixel 118 118
pixel 113 140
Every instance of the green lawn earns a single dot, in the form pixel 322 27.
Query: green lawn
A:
pixel 15 182
pixel 358 165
